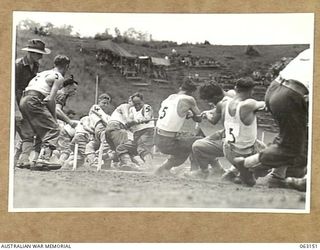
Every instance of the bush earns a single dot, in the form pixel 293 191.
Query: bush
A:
pixel 146 45
pixel 102 37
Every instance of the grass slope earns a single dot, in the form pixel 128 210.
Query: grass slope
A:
pixel 85 67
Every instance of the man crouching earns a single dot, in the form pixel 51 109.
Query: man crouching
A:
pixel 38 108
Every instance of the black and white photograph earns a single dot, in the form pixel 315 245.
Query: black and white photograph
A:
pixel 161 112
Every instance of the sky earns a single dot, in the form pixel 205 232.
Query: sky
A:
pixel 226 29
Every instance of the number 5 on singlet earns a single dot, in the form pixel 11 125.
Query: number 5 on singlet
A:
pixel 232 132
pixel 163 112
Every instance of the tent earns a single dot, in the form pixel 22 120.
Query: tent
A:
pixel 115 48
pixel 160 61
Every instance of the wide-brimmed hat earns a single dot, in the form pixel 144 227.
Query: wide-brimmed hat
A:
pixel 37 46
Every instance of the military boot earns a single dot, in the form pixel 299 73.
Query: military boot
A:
pixel 126 163
pixel 44 162
pixel 24 157
pixel 137 160
pixel 92 160
pixel 297 183
pixel 246 176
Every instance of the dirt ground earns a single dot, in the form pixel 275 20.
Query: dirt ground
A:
pixel 87 188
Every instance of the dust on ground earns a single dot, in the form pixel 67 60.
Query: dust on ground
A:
pixel 87 188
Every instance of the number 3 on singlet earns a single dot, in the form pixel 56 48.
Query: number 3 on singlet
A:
pixel 163 112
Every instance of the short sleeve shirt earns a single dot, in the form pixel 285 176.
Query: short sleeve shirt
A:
pixel 61 99
pixel 300 69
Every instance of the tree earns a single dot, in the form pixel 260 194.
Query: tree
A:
pixel 130 33
pixel 103 36
pixel 49 26
pixel 135 35
pixel 117 32
pixel 28 24
pixel 64 30
pixel 252 51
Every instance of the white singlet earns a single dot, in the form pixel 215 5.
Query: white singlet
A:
pixel 39 82
pixel 169 118
pixel 96 114
pixel 143 114
pixel 240 135
pixel 121 113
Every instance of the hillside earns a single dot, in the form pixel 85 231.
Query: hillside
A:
pixel 84 67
